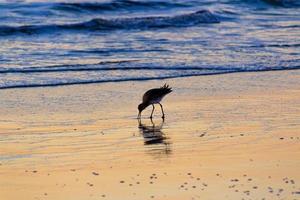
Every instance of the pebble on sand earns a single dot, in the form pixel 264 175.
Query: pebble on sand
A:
pixel 90 184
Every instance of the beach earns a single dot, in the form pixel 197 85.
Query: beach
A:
pixel 230 136
pixel 73 72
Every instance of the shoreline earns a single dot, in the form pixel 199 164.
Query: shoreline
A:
pixel 145 79
pixel 232 132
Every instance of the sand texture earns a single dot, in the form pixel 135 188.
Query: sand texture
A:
pixel 233 136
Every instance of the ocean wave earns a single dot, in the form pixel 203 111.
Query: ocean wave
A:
pixel 183 20
pixel 117 67
pixel 92 67
pixel 82 82
pixel 277 45
pixel 283 3
pixel 116 5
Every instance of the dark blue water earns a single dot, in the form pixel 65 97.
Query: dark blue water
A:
pixel 47 43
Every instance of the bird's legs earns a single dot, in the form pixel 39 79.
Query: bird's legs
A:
pixel 152 111
pixel 162 110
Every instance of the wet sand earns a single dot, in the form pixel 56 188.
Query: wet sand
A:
pixel 233 136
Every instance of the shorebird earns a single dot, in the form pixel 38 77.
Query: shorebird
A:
pixel 154 96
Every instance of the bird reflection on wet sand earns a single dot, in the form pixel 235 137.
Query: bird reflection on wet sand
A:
pixel 154 138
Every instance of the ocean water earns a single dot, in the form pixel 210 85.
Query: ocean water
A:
pixel 53 43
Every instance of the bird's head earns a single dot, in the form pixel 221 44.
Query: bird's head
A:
pixel 141 107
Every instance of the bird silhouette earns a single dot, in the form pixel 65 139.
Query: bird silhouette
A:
pixel 154 96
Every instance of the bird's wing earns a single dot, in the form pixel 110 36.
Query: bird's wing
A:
pixel 166 88
pixel 156 93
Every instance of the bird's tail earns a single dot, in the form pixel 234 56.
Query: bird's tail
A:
pixel 166 89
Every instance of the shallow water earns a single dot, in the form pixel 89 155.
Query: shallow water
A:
pixel 46 43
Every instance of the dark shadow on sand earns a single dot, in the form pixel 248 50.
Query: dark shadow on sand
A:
pixel 155 140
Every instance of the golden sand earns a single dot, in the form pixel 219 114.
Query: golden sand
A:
pixel 233 136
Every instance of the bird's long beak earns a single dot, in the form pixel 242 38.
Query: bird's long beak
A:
pixel 139 115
